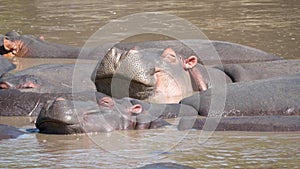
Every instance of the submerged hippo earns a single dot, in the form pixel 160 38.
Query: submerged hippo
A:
pixel 16 103
pixel 15 45
pixel 166 76
pixel 47 78
pixel 5 66
pixel 9 132
pixel 266 97
pixel 254 106
pixel 62 117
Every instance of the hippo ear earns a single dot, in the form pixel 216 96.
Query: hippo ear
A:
pixel 190 62
pixel 136 109
pixel 106 102
pixel 42 38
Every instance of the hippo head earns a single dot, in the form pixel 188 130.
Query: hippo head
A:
pixel 15 45
pixel 61 116
pixel 155 75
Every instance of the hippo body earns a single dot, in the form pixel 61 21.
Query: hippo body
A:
pixel 16 103
pixel 5 66
pixel 274 96
pixel 47 78
pixel 9 132
pixel 155 75
pixel 210 52
pixel 243 123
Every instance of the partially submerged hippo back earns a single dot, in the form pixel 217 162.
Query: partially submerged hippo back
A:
pixel 209 52
pixel 5 65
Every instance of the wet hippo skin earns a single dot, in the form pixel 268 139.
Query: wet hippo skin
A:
pixel 209 52
pixel 274 96
pixel 5 65
pixel 8 132
pixel 46 78
pixel 62 116
pixel 16 103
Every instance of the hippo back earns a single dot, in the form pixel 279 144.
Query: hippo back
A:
pixel 5 65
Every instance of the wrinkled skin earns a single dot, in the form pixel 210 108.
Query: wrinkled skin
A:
pixel 166 76
pixel 48 78
pixel 5 66
pixel 62 116
pixel 9 132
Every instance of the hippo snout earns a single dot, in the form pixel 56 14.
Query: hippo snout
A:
pixel 57 116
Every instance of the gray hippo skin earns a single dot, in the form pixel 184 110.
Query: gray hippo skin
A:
pixel 166 76
pixel 16 45
pixel 274 96
pixel 62 116
pixel 262 105
pixel 9 132
pixel 165 166
pixel 5 66
pixel 47 78
pixel 16 103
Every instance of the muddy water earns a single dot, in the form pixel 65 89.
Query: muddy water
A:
pixel 270 25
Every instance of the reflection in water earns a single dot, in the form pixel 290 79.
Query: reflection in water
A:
pixel 270 25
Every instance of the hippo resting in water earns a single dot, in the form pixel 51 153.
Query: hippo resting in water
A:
pixel 15 45
pixel 5 65
pixel 257 102
pixel 47 78
pixel 166 76
pixel 8 132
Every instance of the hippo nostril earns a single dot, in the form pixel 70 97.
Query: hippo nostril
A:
pixel 6 85
pixel 152 71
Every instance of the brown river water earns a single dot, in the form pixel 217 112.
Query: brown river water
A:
pixel 270 25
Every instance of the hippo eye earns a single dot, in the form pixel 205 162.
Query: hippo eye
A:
pixel 171 57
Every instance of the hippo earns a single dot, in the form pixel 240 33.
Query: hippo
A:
pixel 62 117
pixel 276 110
pixel 9 132
pixel 243 123
pixel 173 76
pixel 5 66
pixel 266 97
pixel 15 45
pixel 46 78
pixel 16 103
